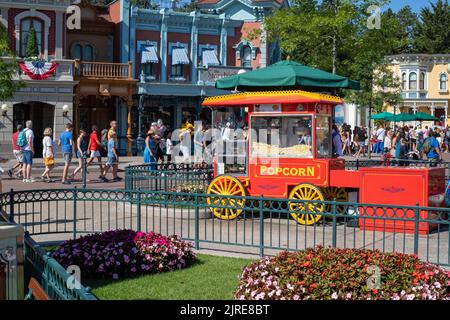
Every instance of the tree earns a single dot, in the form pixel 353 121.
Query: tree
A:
pixel 32 49
pixel 333 35
pixel 8 67
pixel 432 34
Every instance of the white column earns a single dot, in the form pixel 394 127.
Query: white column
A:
pixel 446 113
pixel 415 107
pixel 432 108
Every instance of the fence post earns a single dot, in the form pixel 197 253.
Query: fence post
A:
pixel 138 212
pixel 261 227
pixel 334 234
pixel 416 229
pixel 11 205
pixel 75 199
pixel 196 231
pixel 357 164
pixel 84 177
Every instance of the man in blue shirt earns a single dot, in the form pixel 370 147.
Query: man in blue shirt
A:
pixel 434 154
pixel 66 143
pixel 113 159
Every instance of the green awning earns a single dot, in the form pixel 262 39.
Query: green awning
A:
pixel 285 75
pixel 402 117
pixel 420 116
pixel 382 116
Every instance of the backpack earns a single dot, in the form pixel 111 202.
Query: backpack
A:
pixel 22 139
pixel 426 147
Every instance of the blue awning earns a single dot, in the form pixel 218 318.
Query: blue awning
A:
pixel 149 55
pixel 179 56
pixel 209 58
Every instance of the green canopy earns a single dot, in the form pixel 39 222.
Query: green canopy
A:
pixel 402 117
pixel 382 116
pixel 285 75
pixel 420 116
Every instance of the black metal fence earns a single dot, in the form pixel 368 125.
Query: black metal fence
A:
pixel 264 226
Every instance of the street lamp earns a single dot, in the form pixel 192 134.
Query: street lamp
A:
pixel 140 139
pixel 4 109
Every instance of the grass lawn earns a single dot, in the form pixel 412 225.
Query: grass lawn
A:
pixel 212 277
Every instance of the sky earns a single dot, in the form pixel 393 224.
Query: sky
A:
pixel 416 5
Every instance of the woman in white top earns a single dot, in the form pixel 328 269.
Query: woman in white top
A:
pixel 48 154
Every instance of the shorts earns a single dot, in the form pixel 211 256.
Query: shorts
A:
pixel 95 154
pixel 19 156
pixel 111 161
pixel 27 157
pixel 67 157
pixel 49 161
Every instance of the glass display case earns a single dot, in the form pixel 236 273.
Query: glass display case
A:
pixel 230 140
pixel 284 136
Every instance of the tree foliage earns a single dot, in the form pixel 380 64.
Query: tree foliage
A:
pixel 32 50
pixel 334 35
pixel 7 68
pixel 432 34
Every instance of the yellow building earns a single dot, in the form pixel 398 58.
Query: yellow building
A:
pixel 424 82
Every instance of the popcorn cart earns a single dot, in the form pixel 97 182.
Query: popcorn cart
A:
pixel 278 144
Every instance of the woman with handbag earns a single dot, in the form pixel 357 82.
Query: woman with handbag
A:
pixel 48 154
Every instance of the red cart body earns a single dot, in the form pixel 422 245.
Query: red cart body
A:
pixel 276 169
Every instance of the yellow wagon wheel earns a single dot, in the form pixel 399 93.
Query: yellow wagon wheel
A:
pixel 303 212
pixel 335 193
pixel 226 186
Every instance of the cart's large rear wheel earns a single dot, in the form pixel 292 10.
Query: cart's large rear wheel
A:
pixel 306 213
pixel 335 194
pixel 226 186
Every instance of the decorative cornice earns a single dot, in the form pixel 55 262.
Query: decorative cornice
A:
pixel 424 59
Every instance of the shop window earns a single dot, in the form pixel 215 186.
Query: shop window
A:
pixel 77 51
pixel 413 81
pixel 443 81
pixel 177 71
pixel 404 81
pixel 246 54
pixel 88 53
pixel 422 81
pixel 147 69
pixel 25 26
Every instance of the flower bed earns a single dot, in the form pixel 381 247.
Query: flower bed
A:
pixel 347 274
pixel 124 253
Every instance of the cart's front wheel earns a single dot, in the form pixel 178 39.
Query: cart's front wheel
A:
pixel 223 186
pixel 306 213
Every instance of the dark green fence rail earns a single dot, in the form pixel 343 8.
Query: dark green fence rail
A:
pixel 168 177
pixel 264 227
pixel 52 277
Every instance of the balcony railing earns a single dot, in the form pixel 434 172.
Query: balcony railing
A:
pixel 102 70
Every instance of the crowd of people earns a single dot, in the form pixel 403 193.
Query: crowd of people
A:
pixel 399 142
pixel 86 148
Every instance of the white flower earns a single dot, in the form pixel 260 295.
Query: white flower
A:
pixel 334 296
pixel 296 297
pixel 410 297
pixel 437 285
pixel 348 296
